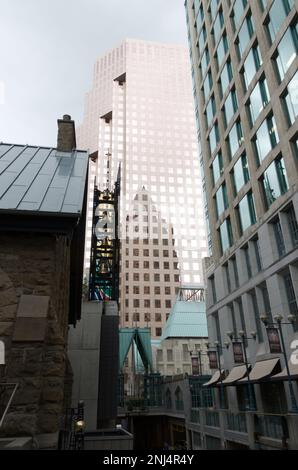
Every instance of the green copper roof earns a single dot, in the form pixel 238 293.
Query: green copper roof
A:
pixel 187 319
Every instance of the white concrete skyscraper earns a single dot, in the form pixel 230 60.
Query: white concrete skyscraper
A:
pixel 140 110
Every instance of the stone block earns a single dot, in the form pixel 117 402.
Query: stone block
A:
pixel 55 333
pixel 49 417
pixel 19 424
pixel 30 329
pixel 33 306
pixel 5 282
pixel 8 297
pixel 53 390
pixel 25 362
pixel 6 328
pixel 54 364
pixel 8 312
pixel 28 392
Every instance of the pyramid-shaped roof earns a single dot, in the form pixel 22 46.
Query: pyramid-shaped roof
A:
pixel 187 319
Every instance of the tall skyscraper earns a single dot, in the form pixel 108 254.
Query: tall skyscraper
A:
pixel 140 115
pixel 244 67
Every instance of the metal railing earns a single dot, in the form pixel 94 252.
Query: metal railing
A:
pixel 135 404
pixel 194 415
pixel 7 392
pixel 274 426
pixel 212 418
pixel 236 422
pixel 71 433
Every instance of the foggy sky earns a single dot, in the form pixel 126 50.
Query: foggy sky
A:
pixel 47 52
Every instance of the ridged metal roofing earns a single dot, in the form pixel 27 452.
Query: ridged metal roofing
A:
pixel 187 319
pixel 41 179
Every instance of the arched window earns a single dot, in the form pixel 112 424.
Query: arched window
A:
pixel 168 399
pixel 179 399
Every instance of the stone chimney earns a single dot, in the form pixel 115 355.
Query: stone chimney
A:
pixel 66 139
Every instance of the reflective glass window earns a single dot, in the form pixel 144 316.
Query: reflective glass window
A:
pixel 218 24
pixel 230 107
pixel 226 77
pixel 251 65
pixel 221 50
pixel 205 61
pixel 240 173
pixel 259 98
pixel 275 181
pixel 207 84
pixel 277 14
pixel 291 100
pixel 245 33
pixel 247 214
pixel 266 138
pixel 210 110
pixel 221 199
pixel 238 9
pixel 226 237
pixel 287 50
pixel 213 137
pixel 217 167
pixel 235 138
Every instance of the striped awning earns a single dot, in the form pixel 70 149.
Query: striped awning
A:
pixel 261 370
pixel 236 373
pixel 283 375
pixel 215 378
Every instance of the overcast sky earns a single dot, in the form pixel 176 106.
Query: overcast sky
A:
pixel 47 51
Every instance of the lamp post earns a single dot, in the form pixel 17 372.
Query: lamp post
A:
pixel 278 322
pixel 196 353
pixel 79 426
pixel 242 337
pixel 219 348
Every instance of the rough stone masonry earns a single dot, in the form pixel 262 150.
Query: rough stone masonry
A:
pixel 34 294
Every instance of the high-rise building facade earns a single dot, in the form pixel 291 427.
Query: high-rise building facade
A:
pixel 244 68
pixel 140 115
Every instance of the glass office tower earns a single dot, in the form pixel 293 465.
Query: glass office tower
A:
pixel 140 114
pixel 244 68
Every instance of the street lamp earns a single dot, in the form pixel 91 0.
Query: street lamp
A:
pixel 196 352
pixel 278 321
pixel 199 353
pixel 219 348
pixel 243 338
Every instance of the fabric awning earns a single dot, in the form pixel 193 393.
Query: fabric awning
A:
pixel 261 370
pixel 293 368
pixel 214 379
pixel 236 373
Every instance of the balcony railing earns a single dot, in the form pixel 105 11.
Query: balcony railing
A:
pixel 195 415
pixel 236 422
pixel 274 426
pixel 135 404
pixel 212 418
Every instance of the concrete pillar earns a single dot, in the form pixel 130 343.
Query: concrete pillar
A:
pixel 108 367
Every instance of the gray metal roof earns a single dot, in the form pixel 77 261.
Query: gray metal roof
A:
pixel 41 179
